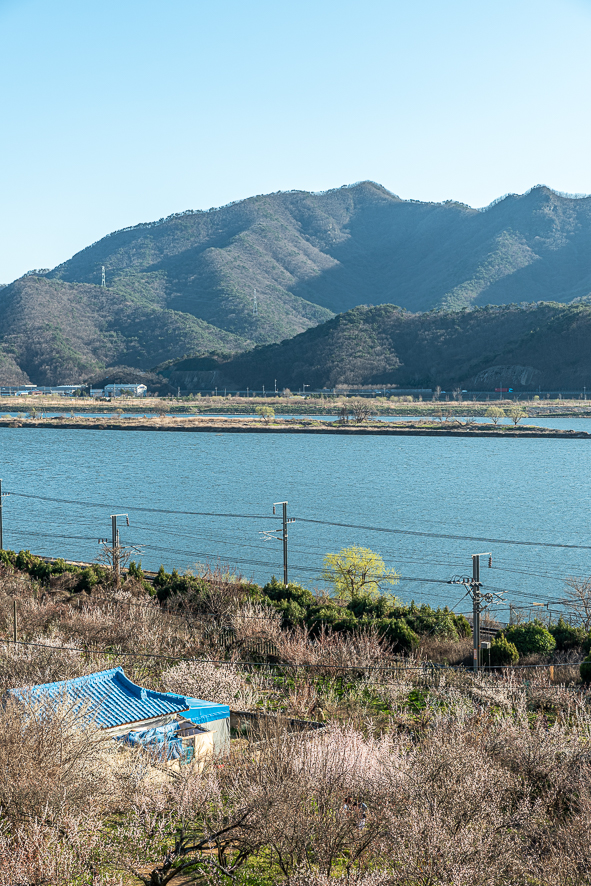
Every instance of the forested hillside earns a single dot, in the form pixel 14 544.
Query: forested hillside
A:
pixel 186 284
pixel 55 333
pixel 524 347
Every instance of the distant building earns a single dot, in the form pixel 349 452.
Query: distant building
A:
pixel 23 390
pixel 115 390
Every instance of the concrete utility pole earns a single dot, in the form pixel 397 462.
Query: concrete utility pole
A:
pixel 2 495
pixel 479 601
pixel 116 547
pixel 270 533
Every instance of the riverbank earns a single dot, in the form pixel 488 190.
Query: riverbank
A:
pixel 221 424
pixel 441 409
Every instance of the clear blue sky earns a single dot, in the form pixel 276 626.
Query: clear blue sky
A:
pixel 114 112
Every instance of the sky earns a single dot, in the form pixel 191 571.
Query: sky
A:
pixel 123 111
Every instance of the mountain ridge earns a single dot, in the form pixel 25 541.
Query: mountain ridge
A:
pixel 185 284
pixel 528 347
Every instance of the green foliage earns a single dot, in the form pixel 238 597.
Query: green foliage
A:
pixel 585 670
pixel 170 584
pixel 401 625
pixel 88 579
pixel 516 413
pixel 42 571
pixel 502 652
pixel 135 570
pixel 437 622
pixel 567 636
pixel 398 633
pixel 7 558
pixel 531 638
pixel 356 570
pixel 276 590
pixel 24 561
pixel 495 413
pixel 265 412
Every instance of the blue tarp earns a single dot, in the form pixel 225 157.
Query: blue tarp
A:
pixel 165 740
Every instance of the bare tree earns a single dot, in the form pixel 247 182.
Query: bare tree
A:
pixel 360 408
pixel 578 601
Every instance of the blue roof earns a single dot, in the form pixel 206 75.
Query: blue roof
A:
pixel 115 701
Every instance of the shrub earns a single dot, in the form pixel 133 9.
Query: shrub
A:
pixel 503 652
pixel 88 579
pixel 53 760
pixel 398 634
pixel 202 679
pixel 531 638
pixel 567 636
pixel 585 670
pixel 276 590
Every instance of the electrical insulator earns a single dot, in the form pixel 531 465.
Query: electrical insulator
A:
pixel 490 562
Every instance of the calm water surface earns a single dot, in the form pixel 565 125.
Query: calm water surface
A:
pixel 414 490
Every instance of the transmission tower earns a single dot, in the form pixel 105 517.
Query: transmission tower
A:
pixel 255 309
pixel 103 280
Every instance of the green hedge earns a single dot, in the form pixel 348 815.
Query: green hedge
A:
pixel 567 636
pixel 503 652
pixel 530 638
pixel 400 625
pixel 585 670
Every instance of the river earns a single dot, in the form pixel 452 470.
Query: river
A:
pixel 425 504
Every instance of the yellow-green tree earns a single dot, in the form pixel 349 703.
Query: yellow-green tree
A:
pixel 516 413
pixel 266 413
pixel 495 413
pixel 355 571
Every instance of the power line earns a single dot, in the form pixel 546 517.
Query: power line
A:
pixel 498 541
pixel 416 533
pixel 108 506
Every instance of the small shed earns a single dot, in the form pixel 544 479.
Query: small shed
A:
pixel 179 725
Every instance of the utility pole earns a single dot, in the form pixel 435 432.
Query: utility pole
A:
pixel 476 609
pixel 270 533
pixel 115 547
pixel 2 495
pixel 14 621
pixel 479 601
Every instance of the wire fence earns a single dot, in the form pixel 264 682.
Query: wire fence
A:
pixel 394 670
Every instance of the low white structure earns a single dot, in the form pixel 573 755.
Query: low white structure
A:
pixel 116 390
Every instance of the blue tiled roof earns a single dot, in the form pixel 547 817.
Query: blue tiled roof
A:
pixel 115 701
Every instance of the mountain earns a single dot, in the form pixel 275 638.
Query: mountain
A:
pixel 524 347
pixel 54 332
pixel 185 284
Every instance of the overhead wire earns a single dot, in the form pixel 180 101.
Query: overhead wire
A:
pixel 416 533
